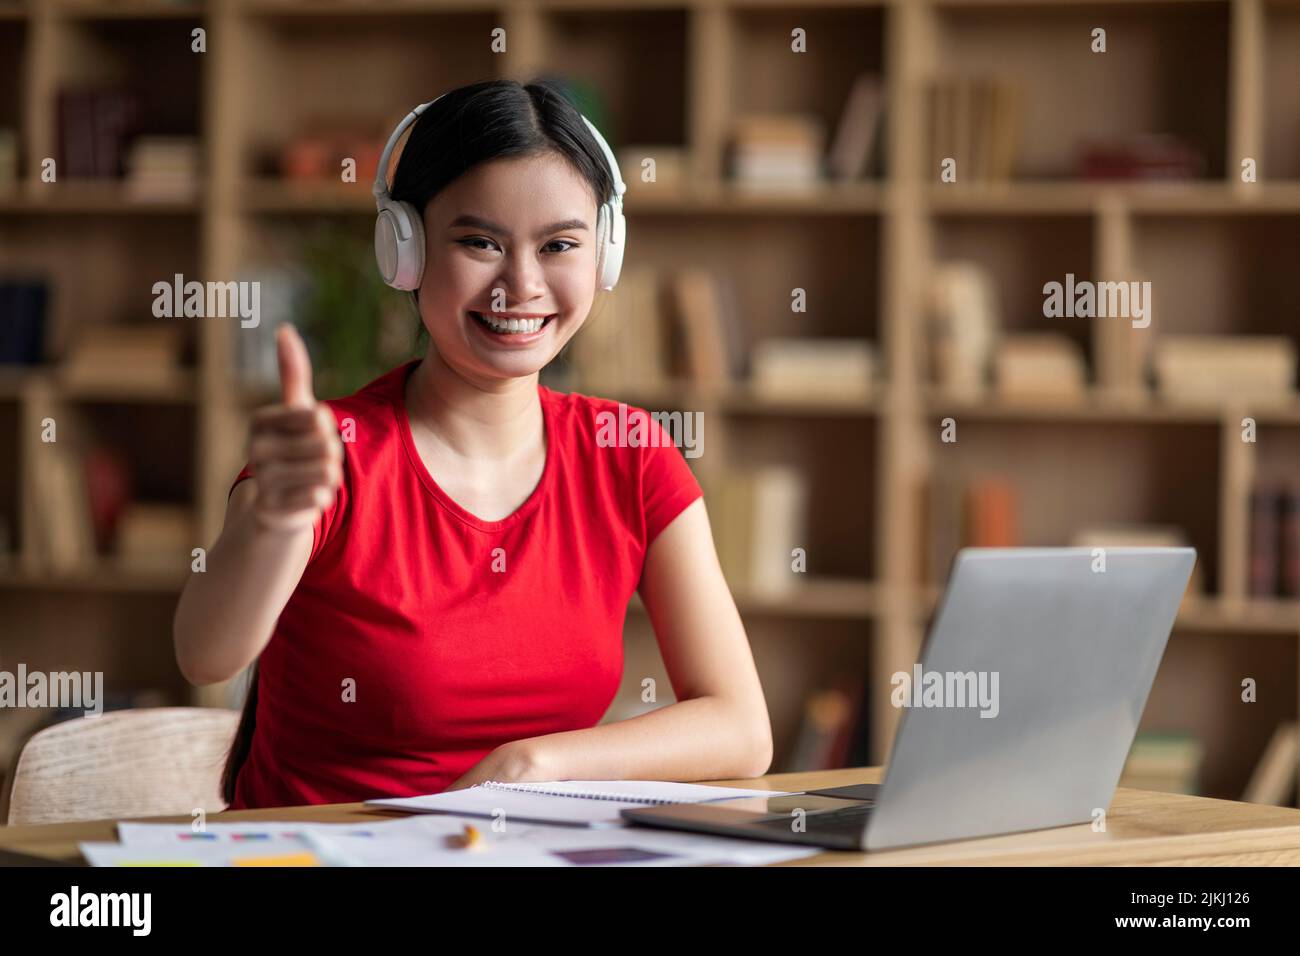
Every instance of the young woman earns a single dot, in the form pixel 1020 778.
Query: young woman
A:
pixel 432 574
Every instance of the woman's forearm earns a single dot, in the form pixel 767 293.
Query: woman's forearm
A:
pixel 705 738
pixel 227 612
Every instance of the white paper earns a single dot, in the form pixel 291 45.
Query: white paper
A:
pixel 519 844
pixel 522 806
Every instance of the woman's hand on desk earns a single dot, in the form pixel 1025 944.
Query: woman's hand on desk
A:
pixel 514 762
pixel 294 447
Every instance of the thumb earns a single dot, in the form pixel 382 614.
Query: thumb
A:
pixel 295 368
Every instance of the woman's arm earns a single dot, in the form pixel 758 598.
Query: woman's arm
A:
pixel 718 729
pixel 227 613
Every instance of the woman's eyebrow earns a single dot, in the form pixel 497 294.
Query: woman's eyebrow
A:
pixel 478 222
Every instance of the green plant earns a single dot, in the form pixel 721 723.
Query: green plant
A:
pixel 344 310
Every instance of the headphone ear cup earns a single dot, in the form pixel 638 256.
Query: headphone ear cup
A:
pixel 613 240
pixel 602 244
pixel 399 245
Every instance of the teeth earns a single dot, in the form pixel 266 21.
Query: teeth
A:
pixel 511 325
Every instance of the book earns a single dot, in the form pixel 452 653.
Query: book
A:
pixel 854 144
pixel 1289 544
pixel 1273 780
pixel 991 514
pixel 22 321
pixel 702 331
pixel 762 516
pixel 973 119
pixel 1265 532
pixel 583 803
pixel 1167 762
pixel 962 315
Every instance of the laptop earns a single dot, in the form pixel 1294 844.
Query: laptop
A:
pixel 1018 716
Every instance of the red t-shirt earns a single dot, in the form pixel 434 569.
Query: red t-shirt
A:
pixel 402 607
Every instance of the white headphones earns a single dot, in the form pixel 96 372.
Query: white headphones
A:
pixel 399 228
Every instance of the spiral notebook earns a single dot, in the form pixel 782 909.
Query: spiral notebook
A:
pixel 583 803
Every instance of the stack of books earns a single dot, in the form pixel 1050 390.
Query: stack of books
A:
pixel 670 172
pixel 1195 368
pixel 777 151
pixel 1040 366
pixel 793 369
pixel 1142 156
pixel 137 357
pixel 975 120
pixel 161 168
pixel 154 537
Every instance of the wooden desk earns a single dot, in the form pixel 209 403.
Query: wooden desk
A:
pixel 1142 828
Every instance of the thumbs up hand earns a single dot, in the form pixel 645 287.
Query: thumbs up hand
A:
pixel 294 447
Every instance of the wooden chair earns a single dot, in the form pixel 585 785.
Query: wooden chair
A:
pixel 156 761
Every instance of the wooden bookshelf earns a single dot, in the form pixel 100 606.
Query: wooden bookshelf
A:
pixel 1223 74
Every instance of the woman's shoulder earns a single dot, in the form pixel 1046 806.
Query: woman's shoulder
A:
pixel 373 402
pixel 611 423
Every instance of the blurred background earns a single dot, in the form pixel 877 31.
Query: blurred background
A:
pixel 841 218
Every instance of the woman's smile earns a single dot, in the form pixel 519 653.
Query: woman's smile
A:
pixel 511 329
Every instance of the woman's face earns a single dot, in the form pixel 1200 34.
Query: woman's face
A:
pixel 513 238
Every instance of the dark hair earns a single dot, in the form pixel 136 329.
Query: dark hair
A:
pixel 469 125
pixel 494 119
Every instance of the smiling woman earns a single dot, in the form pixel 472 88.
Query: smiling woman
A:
pixel 439 600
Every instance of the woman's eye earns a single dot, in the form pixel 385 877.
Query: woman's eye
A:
pixel 481 243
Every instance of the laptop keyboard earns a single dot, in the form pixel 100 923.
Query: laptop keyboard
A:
pixel 846 820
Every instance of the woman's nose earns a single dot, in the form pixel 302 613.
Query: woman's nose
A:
pixel 524 277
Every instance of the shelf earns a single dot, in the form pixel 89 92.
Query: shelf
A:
pixel 1254 615
pixel 1196 197
pixel 270 195
pixel 1098 406
pixel 108 578
pixel 86 196
pixel 1204 613
pixel 128 9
